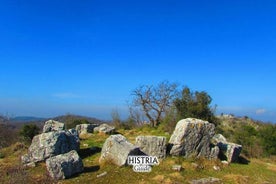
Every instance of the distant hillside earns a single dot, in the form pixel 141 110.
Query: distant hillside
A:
pixel 72 117
pixel 25 119
pixel 257 138
pixel 233 122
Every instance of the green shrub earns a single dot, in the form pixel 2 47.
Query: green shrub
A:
pixel 28 131
pixel 195 105
pixel 268 139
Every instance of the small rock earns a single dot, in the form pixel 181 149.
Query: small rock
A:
pixel 102 174
pixel 31 164
pixel 105 128
pixel 177 167
pixel 85 128
pixel 85 145
pixel 216 168
pixel 224 162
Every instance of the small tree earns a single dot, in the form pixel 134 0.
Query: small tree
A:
pixel 154 100
pixel 28 131
pixel 195 105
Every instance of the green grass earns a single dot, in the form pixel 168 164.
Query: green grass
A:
pixel 257 171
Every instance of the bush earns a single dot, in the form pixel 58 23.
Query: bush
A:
pixel 268 139
pixel 8 135
pixel 195 105
pixel 28 131
pixel 247 136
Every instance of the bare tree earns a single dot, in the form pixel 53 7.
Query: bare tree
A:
pixel 153 101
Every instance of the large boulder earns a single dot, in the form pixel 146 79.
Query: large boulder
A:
pixel 105 128
pixel 52 125
pixel 50 144
pixel 85 128
pixel 192 137
pixel 116 150
pixel 152 145
pixel 228 151
pixel 64 165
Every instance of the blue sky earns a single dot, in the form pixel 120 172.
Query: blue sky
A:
pixel 85 57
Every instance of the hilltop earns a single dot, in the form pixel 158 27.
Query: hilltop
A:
pixel 258 170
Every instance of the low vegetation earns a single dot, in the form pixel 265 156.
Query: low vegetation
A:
pixel 260 170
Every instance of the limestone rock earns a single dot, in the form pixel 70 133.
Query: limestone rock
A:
pixel 214 153
pixel 85 128
pixel 228 151
pixel 64 165
pixel 105 128
pixel 218 138
pixel 192 137
pixel 50 144
pixel 177 168
pixel 152 145
pixel 116 150
pixel 53 125
pixel 74 132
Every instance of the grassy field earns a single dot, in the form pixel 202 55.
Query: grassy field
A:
pixel 257 171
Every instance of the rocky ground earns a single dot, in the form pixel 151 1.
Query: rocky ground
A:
pixel 172 169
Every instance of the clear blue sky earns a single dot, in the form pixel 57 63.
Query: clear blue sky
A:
pixel 85 57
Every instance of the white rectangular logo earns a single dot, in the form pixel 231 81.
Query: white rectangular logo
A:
pixel 142 163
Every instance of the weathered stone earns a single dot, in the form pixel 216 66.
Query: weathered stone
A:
pixel 26 159
pixel 230 151
pixel 206 181
pixel 192 137
pixel 31 164
pixel 74 132
pixel 152 145
pixel 102 174
pixel 64 165
pixel 105 128
pixel 218 138
pixel 177 168
pixel 214 153
pixel 85 128
pixel 116 150
pixel 50 144
pixel 216 168
pixel 52 125
pixel 224 162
